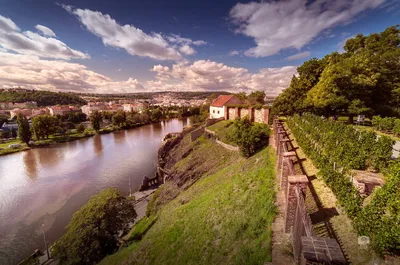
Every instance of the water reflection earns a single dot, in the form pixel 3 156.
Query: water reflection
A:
pixel 30 165
pixel 65 176
pixel 97 145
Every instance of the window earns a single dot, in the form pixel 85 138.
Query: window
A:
pixel 218 112
pixel 213 111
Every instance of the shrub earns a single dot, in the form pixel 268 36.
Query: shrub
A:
pixel 89 132
pixel 376 122
pixel 387 124
pixel 250 137
pixel 396 127
pixel 80 128
pixel 93 231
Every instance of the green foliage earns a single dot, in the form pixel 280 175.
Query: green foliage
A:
pixel 380 219
pixel 44 125
pixel 226 216
pixel 95 120
pixel 396 127
pixel 93 231
pixel 119 118
pixel 383 124
pixel 256 97
pixel 250 137
pixel 327 142
pixel 24 131
pixel 365 79
pixel 3 119
pixel 80 128
pixel 43 98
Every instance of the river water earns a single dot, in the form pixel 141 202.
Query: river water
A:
pixel 47 185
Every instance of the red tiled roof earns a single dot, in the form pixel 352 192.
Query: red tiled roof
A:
pixel 221 100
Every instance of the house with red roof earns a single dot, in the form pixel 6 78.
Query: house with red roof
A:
pixel 219 106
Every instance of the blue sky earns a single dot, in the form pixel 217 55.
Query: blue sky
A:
pixel 131 46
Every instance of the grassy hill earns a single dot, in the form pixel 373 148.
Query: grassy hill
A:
pixel 223 217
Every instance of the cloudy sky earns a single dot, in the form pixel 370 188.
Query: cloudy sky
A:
pixel 133 46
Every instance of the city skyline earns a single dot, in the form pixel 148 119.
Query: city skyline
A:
pixel 103 47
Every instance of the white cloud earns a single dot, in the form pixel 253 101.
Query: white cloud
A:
pixel 234 52
pixel 298 56
pixel 174 38
pixel 6 24
pixel 127 37
pixel 186 49
pixel 30 43
pixel 209 75
pixel 45 30
pixel 31 72
pixel 279 25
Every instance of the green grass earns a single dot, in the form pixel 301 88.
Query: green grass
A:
pixel 141 227
pixel 4 150
pixel 223 129
pixel 223 218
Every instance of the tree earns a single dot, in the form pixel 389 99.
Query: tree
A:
pixel 80 128
pixel 24 132
pixel 44 125
pixel 250 137
pixel 155 114
pixel 95 120
pixel 365 79
pixel 256 98
pixel 93 231
pixel 3 119
pixel 119 118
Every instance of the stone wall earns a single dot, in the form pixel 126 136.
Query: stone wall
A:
pixel 243 113
pixel 231 113
pixel 255 115
pixel 196 133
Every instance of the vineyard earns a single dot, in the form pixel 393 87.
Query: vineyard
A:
pixel 336 149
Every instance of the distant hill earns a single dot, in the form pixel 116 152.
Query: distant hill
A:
pixel 43 98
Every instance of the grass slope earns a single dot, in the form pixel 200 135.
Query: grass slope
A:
pixel 223 218
pixel 223 129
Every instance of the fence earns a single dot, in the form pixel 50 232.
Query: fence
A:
pixel 306 246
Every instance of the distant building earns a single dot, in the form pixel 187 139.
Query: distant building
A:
pixel 62 110
pixel 219 105
pixel 22 105
pixel 92 107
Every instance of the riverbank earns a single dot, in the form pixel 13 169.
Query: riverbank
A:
pixel 47 185
pixel 56 139
pixel 215 208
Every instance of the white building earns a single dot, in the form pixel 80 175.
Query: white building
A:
pixel 218 106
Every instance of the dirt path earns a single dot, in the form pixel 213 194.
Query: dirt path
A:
pixel 281 246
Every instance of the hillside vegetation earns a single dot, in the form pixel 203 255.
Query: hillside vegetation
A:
pixel 43 98
pixel 217 209
pixel 364 79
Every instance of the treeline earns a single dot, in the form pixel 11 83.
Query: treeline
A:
pixel 336 149
pixel 364 79
pixel 43 98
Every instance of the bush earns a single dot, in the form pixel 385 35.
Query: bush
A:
pixel 89 132
pixel 396 127
pixel 93 231
pixel 376 122
pixel 80 128
pixel 387 124
pixel 250 137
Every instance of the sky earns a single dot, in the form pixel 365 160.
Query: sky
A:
pixel 103 46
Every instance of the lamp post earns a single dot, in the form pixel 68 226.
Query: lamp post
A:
pixel 130 189
pixel 45 242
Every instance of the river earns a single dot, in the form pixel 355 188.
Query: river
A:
pixel 47 185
